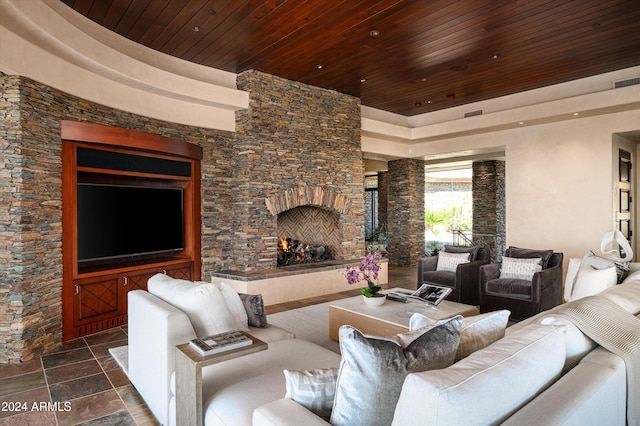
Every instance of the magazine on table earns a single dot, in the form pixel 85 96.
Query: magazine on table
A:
pixel 220 343
pixel 429 293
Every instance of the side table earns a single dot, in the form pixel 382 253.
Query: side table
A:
pixel 189 364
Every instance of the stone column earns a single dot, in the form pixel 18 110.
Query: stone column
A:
pixel 489 203
pixel 382 197
pixel 405 211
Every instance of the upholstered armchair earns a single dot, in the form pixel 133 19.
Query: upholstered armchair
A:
pixel 462 278
pixel 520 286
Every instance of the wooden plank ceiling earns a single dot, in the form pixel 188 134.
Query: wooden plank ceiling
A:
pixel 404 56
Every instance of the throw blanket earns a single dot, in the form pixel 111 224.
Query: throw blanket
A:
pixel 616 330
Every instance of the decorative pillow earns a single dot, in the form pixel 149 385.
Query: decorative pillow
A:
pixel 313 389
pixel 373 369
pixel 590 259
pixel 522 253
pixel 235 305
pixel 203 303
pixel 450 261
pixel 521 269
pixel 590 281
pixel 477 332
pixel 254 307
pixel 473 250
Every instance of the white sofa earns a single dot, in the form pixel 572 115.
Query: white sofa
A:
pixel 231 390
pixel 543 372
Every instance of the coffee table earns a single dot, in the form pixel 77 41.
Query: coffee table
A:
pixel 389 319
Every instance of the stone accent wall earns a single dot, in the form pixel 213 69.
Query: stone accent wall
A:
pixel 293 136
pixel 405 210
pixel 382 196
pixel 489 208
pixel 31 211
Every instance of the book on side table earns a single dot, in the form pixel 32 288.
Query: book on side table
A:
pixel 220 343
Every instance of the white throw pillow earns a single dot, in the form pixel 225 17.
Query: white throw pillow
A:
pixel 203 303
pixel 591 281
pixel 520 268
pixel 450 261
pixel 572 272
pixel 477 332
pixel 235 305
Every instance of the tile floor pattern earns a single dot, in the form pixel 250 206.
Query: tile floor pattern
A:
pixel 82 384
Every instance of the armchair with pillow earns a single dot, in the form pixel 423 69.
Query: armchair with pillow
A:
pixel 456 267
pixel 526 282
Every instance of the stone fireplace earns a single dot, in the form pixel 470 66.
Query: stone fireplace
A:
pixel 310 217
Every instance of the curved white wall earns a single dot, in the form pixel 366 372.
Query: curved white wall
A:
pixel 48 42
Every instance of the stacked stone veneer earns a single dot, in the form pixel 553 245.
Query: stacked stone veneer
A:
pixel 292 135
pixel 489 207
pixel 405 211
pixel 294 139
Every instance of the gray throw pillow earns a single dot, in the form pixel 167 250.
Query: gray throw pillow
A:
pixel 473 250
pixel 523 253
pixel 254 306
pixel 373 369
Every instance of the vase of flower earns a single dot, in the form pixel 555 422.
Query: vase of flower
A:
pixel 368 270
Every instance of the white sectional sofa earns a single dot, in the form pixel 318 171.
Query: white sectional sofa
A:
pixel 543 372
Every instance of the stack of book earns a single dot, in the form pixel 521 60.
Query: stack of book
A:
pixel 220 343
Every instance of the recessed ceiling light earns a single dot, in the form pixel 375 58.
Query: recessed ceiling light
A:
pixel 362 80
pixel 418 104
pixel 495 57
pixel 195 29
pixel 319 66
pixel 521 123
pixel 423 79
pixel 374 33
pixel 576 113
pixel 429 101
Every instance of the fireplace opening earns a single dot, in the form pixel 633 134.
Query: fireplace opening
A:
pixel 293 252
pixel 307 234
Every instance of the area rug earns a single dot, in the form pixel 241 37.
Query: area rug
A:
pixel 310 323
pixel 121 355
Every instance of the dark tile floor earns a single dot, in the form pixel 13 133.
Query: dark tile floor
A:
pixel 83 385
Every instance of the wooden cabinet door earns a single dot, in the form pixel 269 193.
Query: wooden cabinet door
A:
pixel 181 271
pixel 97 304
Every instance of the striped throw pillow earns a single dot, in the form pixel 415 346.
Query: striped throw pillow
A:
pixel 450 261
pixel 521 269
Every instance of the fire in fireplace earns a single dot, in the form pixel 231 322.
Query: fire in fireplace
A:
pixel 292 252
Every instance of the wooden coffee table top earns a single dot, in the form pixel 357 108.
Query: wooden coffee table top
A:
pixel 390 318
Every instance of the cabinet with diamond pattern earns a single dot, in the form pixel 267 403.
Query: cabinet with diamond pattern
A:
pixel 100 302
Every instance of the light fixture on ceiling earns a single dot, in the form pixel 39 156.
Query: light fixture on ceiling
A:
pixel 195 28
pixel 319 66
pixel 374 33
pixel 495 56
pixel 362 80
pixel 418 104
pixel 576 113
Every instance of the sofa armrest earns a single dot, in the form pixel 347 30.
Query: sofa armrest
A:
pixel 155 328
pixel 285 411
pixel 426 263
pixel 546 287
pixel 488 272
pixel 468 280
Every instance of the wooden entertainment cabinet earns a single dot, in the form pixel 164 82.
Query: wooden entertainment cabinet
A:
pixel 94 293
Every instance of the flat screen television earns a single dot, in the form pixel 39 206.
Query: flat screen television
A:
pixel 119 221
